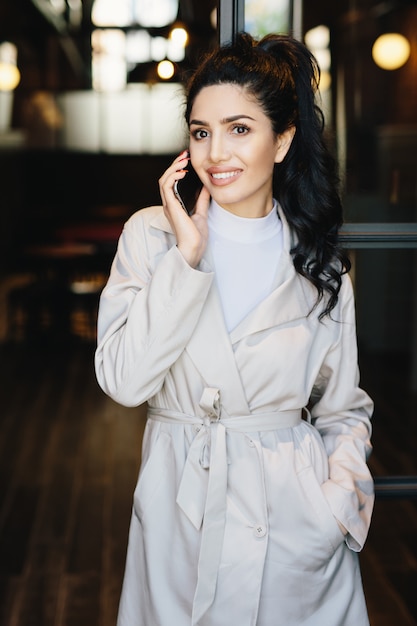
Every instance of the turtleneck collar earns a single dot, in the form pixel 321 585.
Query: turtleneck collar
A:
pixel 243 229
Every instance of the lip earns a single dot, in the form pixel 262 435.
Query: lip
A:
pixel 222 176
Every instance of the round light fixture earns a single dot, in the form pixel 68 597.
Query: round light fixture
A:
pixel 9 76
pixel 391 51
pixel 179 35
pixel 325 81
pixel 166 69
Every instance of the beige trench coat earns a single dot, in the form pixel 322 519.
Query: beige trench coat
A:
pixel 235 511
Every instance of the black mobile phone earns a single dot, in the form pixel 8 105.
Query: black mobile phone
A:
pixel 187 189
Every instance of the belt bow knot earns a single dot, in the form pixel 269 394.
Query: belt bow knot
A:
pixel 202 493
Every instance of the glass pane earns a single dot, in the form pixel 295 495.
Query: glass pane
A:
pixel 374 110
pixel 267 16
pixel 386 303
pixel 390 193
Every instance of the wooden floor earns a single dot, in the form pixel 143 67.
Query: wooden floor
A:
pixel 69 457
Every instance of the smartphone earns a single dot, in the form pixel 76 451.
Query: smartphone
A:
pixel 187 189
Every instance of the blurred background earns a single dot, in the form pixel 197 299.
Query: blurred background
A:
pixel 90 116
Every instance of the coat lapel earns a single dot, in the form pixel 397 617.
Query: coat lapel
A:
pixel 211 350
pixel 291 299
pixel 209 347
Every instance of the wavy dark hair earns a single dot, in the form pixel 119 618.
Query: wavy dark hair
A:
pixel 283 76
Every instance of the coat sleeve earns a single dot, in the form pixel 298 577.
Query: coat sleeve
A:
pixel 147 313
pixel 341 411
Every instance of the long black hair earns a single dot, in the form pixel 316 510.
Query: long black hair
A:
pixel 283 75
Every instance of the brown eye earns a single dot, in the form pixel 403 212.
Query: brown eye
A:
pixel 200 134
pixel 240 129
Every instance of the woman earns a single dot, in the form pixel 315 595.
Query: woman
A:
pixel 237 326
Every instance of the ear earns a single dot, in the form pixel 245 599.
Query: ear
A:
pixel 284 143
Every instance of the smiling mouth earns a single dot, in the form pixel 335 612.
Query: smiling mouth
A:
pixel 224 175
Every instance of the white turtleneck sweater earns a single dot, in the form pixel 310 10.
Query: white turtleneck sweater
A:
pixel 246 252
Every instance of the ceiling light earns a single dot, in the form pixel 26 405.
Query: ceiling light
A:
pixel 9 77
pixel 166 70
pixel 390 51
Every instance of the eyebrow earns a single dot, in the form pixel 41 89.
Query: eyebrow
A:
pixel 225 120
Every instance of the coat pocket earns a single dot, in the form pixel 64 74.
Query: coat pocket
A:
pixel 152 475
pixel 321 514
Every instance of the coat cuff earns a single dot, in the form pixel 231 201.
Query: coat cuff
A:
pixel 354 514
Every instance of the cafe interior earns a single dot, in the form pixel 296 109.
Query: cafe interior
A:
pixel 90 116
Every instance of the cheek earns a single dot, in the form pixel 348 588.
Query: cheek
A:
pixel 195 151
pixel 261 165
pixel 260 154
pixel 269 163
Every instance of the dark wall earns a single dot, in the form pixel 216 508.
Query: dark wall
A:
pixel 44 191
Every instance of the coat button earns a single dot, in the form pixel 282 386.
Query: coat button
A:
pixel 260 530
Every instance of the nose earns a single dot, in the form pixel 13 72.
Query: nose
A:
pixel 219 148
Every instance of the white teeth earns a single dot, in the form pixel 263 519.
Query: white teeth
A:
pixel 224 175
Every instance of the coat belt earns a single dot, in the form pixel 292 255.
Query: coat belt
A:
pixel 203 487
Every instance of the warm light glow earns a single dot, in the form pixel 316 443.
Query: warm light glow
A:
pixel 109 60
pixel 391 51
pixel 165 70
pixel 318 41
pixel 179 35
pixel 317 38
pixel 213 18
pixel 177 41
pixel 323 58
pixel 9 77
pixel 9 74
pixel 325 81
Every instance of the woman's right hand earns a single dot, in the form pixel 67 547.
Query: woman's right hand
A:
pixel 191 232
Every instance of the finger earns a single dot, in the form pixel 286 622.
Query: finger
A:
pixel 203 202
pixel 174 172
pixel 179 164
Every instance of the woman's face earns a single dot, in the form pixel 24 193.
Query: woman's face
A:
pixel 233 149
